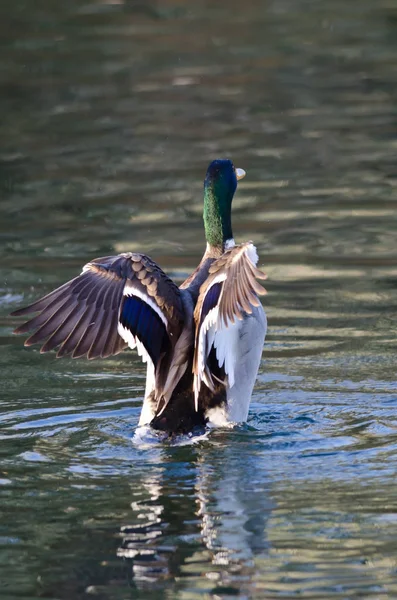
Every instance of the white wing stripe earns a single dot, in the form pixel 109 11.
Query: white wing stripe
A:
pixel 133 342
pixel 126 335
pixel 142 351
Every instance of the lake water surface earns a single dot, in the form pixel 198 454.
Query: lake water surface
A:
pixel 111 112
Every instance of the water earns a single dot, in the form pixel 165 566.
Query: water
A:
pixel 112 112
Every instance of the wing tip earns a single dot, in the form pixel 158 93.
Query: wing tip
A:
pixel 260 291
pixel 18 330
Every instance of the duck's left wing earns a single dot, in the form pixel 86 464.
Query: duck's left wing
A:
pixel 228 294
pixel 116 301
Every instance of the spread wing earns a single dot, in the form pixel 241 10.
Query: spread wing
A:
pixel 117 301
pixel 229 292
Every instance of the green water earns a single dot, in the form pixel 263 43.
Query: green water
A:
pixel 111 113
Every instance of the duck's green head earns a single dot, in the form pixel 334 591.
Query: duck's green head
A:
pixel 219 186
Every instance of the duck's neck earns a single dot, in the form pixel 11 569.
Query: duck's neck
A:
pixel 217 218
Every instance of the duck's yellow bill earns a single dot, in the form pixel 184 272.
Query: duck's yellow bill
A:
pixel 240 173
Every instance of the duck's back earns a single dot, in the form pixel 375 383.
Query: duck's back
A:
pixel 226 326
pixel 179 415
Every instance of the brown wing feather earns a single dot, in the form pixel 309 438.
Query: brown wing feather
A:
pixel 240 288
pixel 81 316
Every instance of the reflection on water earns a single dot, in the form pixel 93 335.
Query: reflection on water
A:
pixel 113 111
pixel 217 510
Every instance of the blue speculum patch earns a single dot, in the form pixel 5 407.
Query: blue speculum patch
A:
pixel 211 299
pixel 145 324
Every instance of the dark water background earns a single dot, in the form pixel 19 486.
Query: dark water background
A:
pixel 110 113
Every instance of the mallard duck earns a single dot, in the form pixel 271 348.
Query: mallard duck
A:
pixel 202 341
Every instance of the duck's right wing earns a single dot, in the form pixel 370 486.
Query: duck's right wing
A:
pixel 116 301
pixel 227 296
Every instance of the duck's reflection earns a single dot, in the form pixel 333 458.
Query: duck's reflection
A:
pixel 140 541
pixel 201 511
